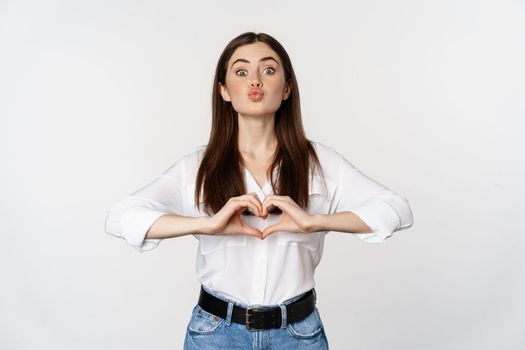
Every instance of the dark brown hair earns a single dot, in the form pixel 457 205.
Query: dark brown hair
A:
pixel 220 174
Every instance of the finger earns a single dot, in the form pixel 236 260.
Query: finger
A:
pixel 272 200
pixel 288 226
pixel 249 195
pixel 282 198
pixel 239 205
pixel 266 204
pixel 276 202
pixel 271 229
pixel 252 197
pixel 252 231
pixel 255 196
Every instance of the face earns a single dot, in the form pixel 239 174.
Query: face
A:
pixel 258 69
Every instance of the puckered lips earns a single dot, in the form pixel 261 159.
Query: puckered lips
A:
pixel 255 94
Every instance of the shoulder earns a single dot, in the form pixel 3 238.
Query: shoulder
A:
pixel 323 150
pixel 326 152
pixel 195 156
pixel 188 162
pixel 332 161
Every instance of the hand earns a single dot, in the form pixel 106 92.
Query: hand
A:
pixel 293 219
pixel 227 221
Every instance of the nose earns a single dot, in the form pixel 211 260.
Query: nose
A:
pixel 256 82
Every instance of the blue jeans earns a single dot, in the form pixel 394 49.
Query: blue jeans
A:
pixel 206 331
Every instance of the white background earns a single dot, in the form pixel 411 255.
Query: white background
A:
pixel 97 98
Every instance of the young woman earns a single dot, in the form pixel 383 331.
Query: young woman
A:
pixel 260 198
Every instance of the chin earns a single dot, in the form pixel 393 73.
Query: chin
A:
pixel 256 113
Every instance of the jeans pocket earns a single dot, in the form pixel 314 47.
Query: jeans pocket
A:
pixel 203 322
pixel 307 328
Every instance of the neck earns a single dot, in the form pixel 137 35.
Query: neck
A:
pixel 257 134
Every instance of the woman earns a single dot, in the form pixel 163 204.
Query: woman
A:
pixel 260 198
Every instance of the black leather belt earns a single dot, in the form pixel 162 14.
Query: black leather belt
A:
pixel 262 317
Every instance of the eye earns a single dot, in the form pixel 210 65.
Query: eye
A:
pixel 271 68
pixel 240 70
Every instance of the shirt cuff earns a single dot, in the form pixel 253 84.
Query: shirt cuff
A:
pixel 135 222
pixel 380 217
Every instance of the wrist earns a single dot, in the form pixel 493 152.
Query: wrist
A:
pixel 206 225
pixel 315 223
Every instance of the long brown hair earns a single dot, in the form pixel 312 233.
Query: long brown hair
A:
pixel 220 174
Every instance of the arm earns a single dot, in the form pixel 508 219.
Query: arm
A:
pixel 364 206
pixel 345 221
pixel 172 225
pixel 156 207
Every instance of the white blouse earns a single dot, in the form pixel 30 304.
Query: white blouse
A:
pixel 246 268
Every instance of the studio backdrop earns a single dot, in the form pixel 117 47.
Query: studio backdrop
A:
pixel 98 98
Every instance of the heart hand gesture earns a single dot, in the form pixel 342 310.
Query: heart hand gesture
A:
pixel 293 219
pixel 228 221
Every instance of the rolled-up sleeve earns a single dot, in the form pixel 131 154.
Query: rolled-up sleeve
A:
pixel 131 217
pixel 382 209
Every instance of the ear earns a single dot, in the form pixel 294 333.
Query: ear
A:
pixel 287 91
pixel 223 90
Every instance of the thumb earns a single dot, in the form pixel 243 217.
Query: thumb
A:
pixel 252 231
pixel 271 229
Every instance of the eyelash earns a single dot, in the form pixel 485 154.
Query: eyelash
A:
pixel 237 71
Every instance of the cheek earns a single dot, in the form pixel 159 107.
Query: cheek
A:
pixel 235 92
pixel 233 87
pixel 277 85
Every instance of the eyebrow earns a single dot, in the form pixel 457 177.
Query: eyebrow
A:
pixel 261 60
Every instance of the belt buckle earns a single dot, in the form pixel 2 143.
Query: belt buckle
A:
pixel 250 322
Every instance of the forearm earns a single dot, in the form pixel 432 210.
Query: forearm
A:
pixel 172 225
pixel 345 221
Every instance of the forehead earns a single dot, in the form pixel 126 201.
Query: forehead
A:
pixel 254 52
